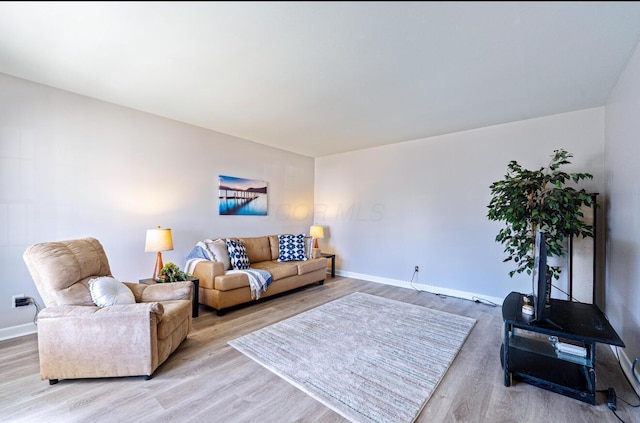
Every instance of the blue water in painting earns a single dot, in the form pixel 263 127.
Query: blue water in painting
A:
pixel 255 207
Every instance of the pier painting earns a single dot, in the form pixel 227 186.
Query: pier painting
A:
pixel 239 196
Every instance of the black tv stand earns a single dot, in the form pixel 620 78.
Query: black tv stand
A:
pixel 549 322
pixel 528 355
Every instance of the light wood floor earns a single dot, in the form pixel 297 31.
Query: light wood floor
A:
pixel 205 380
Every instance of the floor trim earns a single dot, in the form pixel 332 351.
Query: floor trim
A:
pixel 18 331
pixel 471 296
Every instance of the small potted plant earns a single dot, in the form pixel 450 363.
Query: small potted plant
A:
pixel 172 273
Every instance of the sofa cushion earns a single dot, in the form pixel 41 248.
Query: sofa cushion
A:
pixel 219 251
pixel 292 247
pixel 278 270
pixel 107 291
pixel 311 265
pixel 238 254
pixel 231 281
pixel 275 247
pixel 258 248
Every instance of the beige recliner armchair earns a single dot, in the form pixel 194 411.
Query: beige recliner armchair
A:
pixel 77 339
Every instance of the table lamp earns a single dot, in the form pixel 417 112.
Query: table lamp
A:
pixel 158 240
pixel 316 232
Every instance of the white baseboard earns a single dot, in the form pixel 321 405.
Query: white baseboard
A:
pixel 626 364
pixel 422 287
pixel 17 331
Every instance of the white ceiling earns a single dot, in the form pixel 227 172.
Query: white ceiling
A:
pixel 319 78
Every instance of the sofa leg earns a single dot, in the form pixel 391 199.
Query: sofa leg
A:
pixel 147 377
pixel 321 282
pixel 221 312
pixel 53 381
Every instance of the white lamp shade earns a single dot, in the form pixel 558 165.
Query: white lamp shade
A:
pixel 316 232
pixel 158 240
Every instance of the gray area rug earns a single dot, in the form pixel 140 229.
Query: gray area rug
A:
pixel 370 359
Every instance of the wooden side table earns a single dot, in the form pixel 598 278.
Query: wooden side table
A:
pixel 195 301
pixel 332 257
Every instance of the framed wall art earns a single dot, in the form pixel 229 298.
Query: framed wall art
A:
pixel 240 196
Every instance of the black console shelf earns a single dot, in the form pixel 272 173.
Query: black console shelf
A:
pixel 528 355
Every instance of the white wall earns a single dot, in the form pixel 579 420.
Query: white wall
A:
pixel 71 166
pixel 424 202
pixel 623 185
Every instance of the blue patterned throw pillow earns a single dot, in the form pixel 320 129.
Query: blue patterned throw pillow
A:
pixel 238 255
pixel 291 248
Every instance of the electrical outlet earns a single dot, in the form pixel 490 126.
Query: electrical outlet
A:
pixel 417 268
pixel 19 301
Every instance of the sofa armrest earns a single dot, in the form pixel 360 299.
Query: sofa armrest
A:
pixel 161 291
pixel 206 272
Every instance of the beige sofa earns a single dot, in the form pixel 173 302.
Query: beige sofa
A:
pixel 78 339
pixel 220 290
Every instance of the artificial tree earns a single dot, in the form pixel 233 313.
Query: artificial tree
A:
pixel 527 200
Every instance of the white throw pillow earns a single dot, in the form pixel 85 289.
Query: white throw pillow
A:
pixel 107 291
pixel 218 249
pixel 308 247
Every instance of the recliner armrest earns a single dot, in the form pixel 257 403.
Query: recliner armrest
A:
pixel 161 291
pixel 94 312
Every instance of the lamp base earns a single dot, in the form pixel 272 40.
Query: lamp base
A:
pixel 158 268
pixel 316 253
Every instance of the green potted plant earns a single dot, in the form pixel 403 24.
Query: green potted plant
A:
pixel 526 200
pixel 172 273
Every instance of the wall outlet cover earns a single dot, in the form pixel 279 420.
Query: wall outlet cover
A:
pixel 14 298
